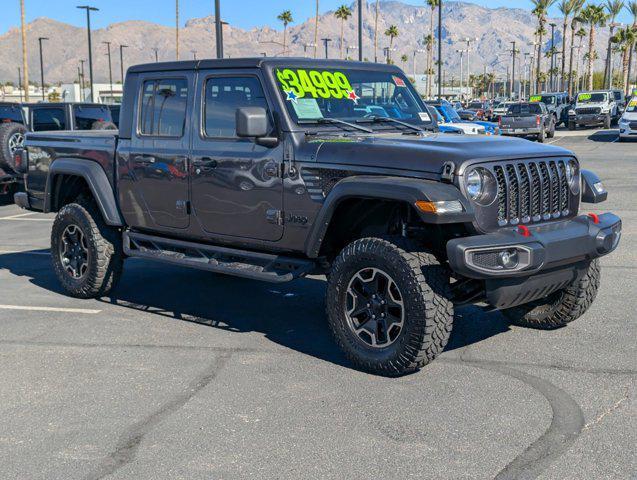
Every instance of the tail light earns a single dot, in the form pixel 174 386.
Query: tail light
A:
pixel 499 121
pixel 537 120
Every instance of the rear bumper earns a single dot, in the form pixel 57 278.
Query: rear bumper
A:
pixel 550 258
pixel 523 132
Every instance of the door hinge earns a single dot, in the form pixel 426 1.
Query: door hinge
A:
pixel 274 216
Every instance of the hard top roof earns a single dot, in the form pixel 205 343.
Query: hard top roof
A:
pixel 257 62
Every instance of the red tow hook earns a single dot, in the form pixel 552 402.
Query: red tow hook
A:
pixel 524 231
pixel 594 217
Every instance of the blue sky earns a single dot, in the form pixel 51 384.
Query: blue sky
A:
pixel 242 13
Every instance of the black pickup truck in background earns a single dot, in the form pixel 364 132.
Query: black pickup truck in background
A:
pixel 273 169
pixel 528 120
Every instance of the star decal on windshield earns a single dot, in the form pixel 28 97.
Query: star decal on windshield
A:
pixel 291 96
pixel 351 94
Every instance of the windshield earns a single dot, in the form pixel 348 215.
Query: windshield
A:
pixel 450 113
pixel 632 105
pixel 592 97
pixel 545 99
pixel 10 113
pixel 350 95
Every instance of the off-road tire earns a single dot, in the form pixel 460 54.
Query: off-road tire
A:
pixel 105 255
pixel 607 122
pixel 428 310
pixel 541 136
pixel 551 132
pixel 572 126
pixel 7 131
pixel 559 308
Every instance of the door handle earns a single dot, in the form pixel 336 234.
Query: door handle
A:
pixel 205 164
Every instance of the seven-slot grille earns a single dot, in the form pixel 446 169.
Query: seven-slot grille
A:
pixel 531 191
pixel 588 111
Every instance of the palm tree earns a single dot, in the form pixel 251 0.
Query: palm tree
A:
pixel 593 16
pixel 625 38
pixel 580 34
pixel 286 18
pixel 343 13
pixel 391 32
pixel 632 8
pixel 614 8
pixel 540 9
pixel 376 33
pixel 566 8
pixel 577 7
pixel 433 4
pixel 25 66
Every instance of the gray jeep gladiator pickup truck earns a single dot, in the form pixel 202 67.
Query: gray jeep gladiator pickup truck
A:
pixel 273 169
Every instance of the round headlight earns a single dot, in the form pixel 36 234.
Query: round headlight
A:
pixel 481 186
pixel 474 184
pixel 572 176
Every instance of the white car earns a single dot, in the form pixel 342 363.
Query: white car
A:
pixel 501 109
pixel 467 128
pixel 628 122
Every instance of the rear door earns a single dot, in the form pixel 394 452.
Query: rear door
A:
pixel 237 189
pixel 157 162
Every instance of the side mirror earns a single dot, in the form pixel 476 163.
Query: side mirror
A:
pixel 252 122
pixel 593 190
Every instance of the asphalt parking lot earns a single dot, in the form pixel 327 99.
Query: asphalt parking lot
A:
pixel 186 375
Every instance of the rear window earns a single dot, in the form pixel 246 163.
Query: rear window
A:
pixel 87 116
pixel 49 119
pixel 618 95
pixel 10 113
pixel 525 109
pixel 163 108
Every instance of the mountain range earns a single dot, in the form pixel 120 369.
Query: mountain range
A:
pixel 494 29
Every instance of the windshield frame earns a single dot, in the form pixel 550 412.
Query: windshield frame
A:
pixel 288 123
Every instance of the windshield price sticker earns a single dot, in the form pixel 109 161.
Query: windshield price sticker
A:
pixel 633 103
pixel 535 98
pixel 399 82
pixel 316 84
pixel 584 96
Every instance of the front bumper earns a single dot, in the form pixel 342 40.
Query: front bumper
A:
pixel 523 264
pixel 625 130
pixel 592 119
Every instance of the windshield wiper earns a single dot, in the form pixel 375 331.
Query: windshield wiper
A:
pixel 378 119
pixel 335 121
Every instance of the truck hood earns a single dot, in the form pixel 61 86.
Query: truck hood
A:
pixel 429 153
pixel 630 116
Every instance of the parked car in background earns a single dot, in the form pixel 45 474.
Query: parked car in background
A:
pixel 451 117
pixel 620 99
pixel 482 110
pixel 628 122
pixel 467 128
pixel 557 103
pixel 526 119
pixel 500 108
pixel 468 115
pixel 594 108
pixel 46 117
pixel 12 134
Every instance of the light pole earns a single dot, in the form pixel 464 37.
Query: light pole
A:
pixel 532 67
pixel 440 50
pixel 110 67
pixel 348 48
pixel 121 61
pixel 461 52
pixel 608 66
pixel 512 89
pixel 89 9
pixel 20 83
pixel 326 42
pixel 308 45
pixel 155 49
pixel 416 52
pixel 194 54
pixel 177 28
pixel 218 29
pixel 40 39
pixel 83 80
pixel 360 30
pixel 552 79
pixel 468 41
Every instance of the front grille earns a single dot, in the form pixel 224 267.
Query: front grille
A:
pixel 588 111
pixel 532 191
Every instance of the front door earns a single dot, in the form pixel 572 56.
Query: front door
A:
pixel 236 186
pixel 157 163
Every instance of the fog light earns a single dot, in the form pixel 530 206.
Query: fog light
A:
pixel 508 259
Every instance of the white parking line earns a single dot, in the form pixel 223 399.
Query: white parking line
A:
pixel 23 252
pixel 18 216
pixel 21 217
pixel 50 309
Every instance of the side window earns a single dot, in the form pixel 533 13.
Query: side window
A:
pixel 48 119
pixel 86 117
pixel 163 107
pixel 223 96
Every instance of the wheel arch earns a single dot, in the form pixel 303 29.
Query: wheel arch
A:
pixel 377 197
pixel 68 176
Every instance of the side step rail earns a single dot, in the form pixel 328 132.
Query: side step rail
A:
pixel 240 263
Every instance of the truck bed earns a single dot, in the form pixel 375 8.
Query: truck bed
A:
pixel 44 148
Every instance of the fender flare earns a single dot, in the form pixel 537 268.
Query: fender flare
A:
pixel 408 190
pixel 95 177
